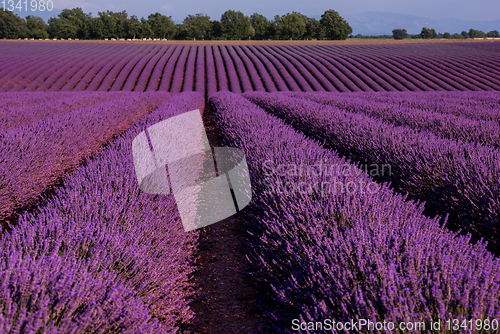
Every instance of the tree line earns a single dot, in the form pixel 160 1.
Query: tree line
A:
pixel 428 33
pixel 233 25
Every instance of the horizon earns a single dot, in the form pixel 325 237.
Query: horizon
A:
pixel 483 10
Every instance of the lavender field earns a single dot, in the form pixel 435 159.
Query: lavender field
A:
pixel 375 174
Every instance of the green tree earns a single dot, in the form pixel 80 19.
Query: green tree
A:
pixel 197 26
pixel 115 24
pixel 476 34
pixel 77 18
pixel 465 34
pixel 146 30
pixel 428 33
pixel 96 28
pixel 215 31
pixel 36 27
pixel 493 33
pixel 133 27
pixel 399 33
pixel 313 28
pixel 261 26
pixel 447 35
pixel 11 25
pixel 334 26
pixel 236 26
pixel 162 26
pixel 61 28
pixel 290 26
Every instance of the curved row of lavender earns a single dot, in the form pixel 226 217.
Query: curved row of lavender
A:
pixel 474 105
pixel 36 156
pixel 451 176
pixel 441 124
pixel 100 256
pixel 345 255
pixel 241 68
pixel 21 109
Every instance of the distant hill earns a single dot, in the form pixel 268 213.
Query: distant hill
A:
pixel 382 23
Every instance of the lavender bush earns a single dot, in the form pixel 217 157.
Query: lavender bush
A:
pixel 178 71
pixel 346 255
pixel 445 125
pixel 38 106
pixel 153 81
pixel 63 141
pixel 451 176
pixel 127 78
pixel 105 235
pixel 104 67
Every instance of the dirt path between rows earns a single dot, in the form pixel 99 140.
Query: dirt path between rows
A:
pixel 225 300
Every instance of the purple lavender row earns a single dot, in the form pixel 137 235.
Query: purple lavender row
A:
pixel 58 78
pixel 43 82
pixel 199 85
pixel 142 80
pixel 211 73
pixel 404 78
pixel 322 76
pixel 99 225
pixel 456 72
pixel 245 69
pixel 474 105
pixel 337 77
pixel 128 75
pixel 30 84
pixel 85 73
pixel 49 105
pixel 283 72
pixel 12 80
pixel 264 83
pixel 21 99
pixel 23 69
pixel 416 72
pixel 345 255
pixel 178 74
pixel 294 69
pixel 120 71
pixel 168 71
pixel 449 75
pixel 244 77
pixel 35 78
pixel 278 82
pixel 188 81
pixel 361 78
pixel 222 80
pixel 153 81
pixel 379 77
pixel 49 294
pixel 426 64
pixel 443 125
pixel 450 176
pixel 93 78
pixel 356 77
pixel 475 72
pixel 232 75
pixel 35 157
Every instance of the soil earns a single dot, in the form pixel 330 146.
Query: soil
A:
pixel 225 298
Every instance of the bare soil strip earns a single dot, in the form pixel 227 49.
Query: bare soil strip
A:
pixel 225 299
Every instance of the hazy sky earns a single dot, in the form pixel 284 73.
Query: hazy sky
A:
pixel 435 9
